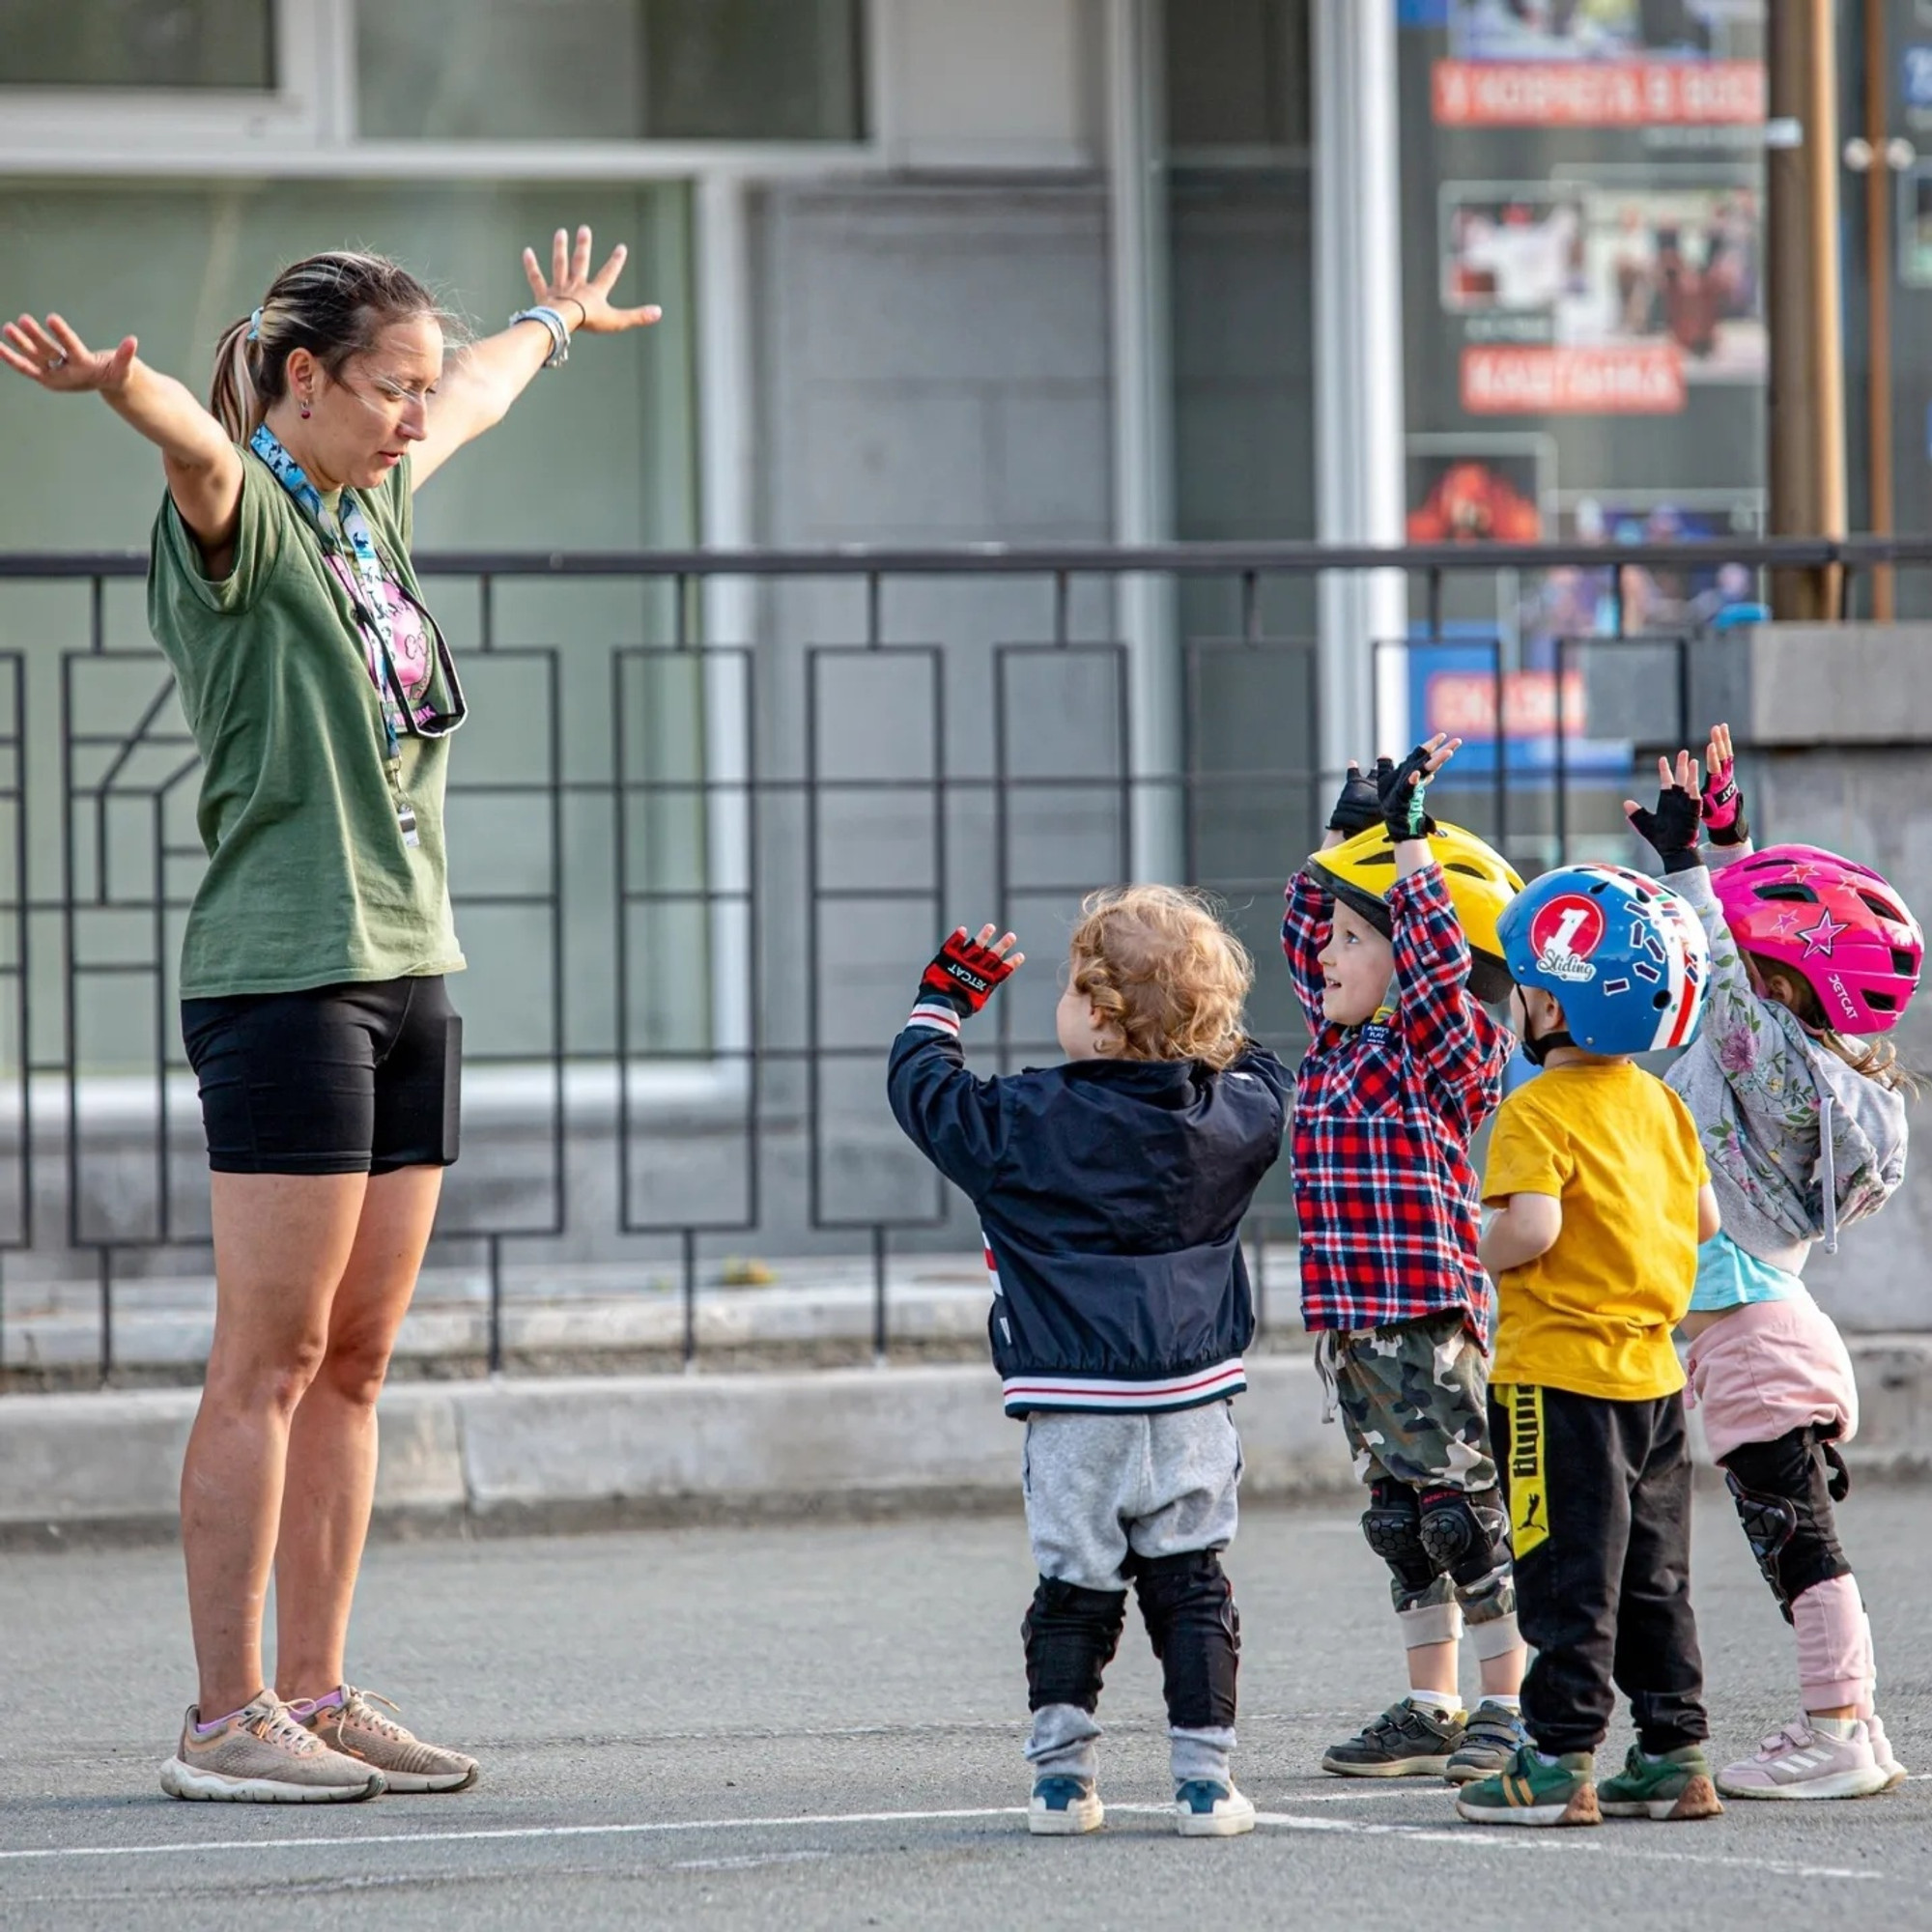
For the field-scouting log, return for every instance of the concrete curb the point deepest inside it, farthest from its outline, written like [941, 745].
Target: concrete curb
[592, 1451]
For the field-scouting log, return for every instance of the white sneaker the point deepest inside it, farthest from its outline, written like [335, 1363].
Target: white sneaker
[1065, 1807]
[1204, 1808]
[1894, 1772]
[1800, 1762]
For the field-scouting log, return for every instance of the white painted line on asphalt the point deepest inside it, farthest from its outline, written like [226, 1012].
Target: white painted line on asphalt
[514, 1831]
[1471, 1839]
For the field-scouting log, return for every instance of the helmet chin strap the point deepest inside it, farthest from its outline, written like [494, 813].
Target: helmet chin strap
[1536, 1050]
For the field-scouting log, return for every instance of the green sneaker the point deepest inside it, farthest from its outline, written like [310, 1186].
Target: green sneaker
[1406, 1741]
[1531, 1792]
[1674, 1786]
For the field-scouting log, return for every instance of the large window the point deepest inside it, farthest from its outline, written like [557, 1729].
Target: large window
[1585, 355]
[148, 44]
[611, 70]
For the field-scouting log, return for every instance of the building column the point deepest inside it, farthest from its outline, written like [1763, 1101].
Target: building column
[1358, 375]
[1143, 456]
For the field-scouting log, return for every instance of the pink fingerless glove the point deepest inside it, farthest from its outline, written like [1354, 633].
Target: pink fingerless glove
[1725, 807]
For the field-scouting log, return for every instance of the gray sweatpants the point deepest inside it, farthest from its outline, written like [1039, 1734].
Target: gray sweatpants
[1098, 1486]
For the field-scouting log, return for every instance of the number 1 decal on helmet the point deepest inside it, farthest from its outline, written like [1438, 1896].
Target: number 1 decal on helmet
[1624, 957]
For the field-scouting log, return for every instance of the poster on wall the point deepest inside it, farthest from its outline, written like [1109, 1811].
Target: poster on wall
[1609, 291]
[1596, 63]
[1480, 488]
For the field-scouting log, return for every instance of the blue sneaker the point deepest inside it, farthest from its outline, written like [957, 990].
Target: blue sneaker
[1064, 1807]
[1203, 1807]
[1490, 1739]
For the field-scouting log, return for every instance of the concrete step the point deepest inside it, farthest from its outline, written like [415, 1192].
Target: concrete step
[581, 1451]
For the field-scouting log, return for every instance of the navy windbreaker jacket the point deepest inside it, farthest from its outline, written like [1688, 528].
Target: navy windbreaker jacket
[1109, 1194]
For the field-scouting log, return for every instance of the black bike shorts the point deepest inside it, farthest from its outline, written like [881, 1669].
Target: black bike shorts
[353, 1079]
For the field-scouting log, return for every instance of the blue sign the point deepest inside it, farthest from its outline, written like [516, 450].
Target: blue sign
[1452, 688]
[1915, 75]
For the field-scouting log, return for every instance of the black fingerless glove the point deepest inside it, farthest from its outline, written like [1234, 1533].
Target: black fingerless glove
[1405, 810]
[1360, 804]
[1672, 830]
[964, 974]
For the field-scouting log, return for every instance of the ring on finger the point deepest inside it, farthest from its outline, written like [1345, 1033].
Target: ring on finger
[56, 361]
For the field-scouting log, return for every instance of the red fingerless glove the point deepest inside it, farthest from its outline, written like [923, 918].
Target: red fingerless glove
[964, 973]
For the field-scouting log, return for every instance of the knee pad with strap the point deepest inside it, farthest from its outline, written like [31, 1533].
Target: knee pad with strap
[1070, 1635]
[1188, 1606]
[1392, 1524]
[1793, 1549]
[1464, 1533]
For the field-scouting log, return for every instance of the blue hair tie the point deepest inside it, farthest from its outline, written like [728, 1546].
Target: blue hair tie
[255, 327]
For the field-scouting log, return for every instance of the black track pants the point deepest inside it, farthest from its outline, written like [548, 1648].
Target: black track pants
[1600, 1512]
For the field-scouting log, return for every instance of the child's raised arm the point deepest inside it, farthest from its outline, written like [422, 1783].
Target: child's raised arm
[1310, 909]
[951, 1117]
[1462, 1047]
[1759, 1062]
[1724, 801]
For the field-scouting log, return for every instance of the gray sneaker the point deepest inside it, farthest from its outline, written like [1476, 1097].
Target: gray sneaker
[261, 1756]
[1406, 1741]
[356, 1728]
[1491, 1738]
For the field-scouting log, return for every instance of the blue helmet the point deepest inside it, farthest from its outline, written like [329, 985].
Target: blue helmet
[1626, 956]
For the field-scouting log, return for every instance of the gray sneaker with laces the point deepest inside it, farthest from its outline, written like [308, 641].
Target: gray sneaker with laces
[1491, 1738]
[263, 1756]
[1406, 1741]
[356, 1728]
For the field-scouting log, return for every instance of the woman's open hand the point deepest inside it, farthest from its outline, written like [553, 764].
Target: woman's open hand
[51, 354]
[571, 282]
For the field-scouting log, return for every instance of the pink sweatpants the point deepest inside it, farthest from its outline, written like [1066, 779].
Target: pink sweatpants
[1834, 1650]
[1758, 1373]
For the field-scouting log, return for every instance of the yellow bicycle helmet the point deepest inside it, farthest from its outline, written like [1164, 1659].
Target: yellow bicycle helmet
[1481, 883]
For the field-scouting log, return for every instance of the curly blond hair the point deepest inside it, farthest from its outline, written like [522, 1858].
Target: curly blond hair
[1158, 963]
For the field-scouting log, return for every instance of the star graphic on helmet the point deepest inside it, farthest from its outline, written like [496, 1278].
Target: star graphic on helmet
[1818, 938]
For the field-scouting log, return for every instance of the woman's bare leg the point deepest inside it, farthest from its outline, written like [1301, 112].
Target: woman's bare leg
[281, 1243]
[331, 1455]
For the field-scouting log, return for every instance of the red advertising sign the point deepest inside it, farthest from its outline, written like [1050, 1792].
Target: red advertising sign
[1506, 379]
[1464, 704]
[1598, 94]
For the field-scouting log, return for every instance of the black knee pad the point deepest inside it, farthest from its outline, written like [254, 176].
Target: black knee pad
[1793, 1549]
[1188, 1606]
[1465, 1532]
[1392, 1523]
[1070, 1635]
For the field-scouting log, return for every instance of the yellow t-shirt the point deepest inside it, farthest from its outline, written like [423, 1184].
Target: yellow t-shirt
[1620, 1151]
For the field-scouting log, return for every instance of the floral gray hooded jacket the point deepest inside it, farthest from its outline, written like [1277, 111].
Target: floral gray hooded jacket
[1799, 1144]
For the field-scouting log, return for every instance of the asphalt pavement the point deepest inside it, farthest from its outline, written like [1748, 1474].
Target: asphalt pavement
[819, 1725]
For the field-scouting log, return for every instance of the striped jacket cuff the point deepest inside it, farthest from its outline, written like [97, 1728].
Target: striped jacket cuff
[935, 1017]
[1099, 1394]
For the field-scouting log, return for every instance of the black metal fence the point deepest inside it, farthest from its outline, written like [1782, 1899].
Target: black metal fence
[698, 876]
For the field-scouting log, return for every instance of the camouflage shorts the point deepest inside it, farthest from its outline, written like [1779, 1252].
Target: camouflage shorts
[1413, 1398]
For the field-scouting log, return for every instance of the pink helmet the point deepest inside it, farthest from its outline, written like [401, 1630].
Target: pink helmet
[1836, 925]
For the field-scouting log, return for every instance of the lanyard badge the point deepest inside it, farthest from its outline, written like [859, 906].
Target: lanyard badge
[1378, 1031]
[346, 533]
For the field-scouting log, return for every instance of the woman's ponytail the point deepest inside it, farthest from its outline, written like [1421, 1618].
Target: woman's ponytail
[233, 399]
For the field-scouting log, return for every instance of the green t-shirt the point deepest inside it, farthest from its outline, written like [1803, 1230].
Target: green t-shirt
[309, 882]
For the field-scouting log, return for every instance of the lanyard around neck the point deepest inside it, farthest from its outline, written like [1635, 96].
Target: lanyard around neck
[346, 532]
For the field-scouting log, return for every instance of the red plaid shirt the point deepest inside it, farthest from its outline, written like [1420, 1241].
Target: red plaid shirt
[1387, 1200]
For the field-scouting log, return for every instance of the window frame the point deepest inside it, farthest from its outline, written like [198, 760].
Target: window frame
[306, 127]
